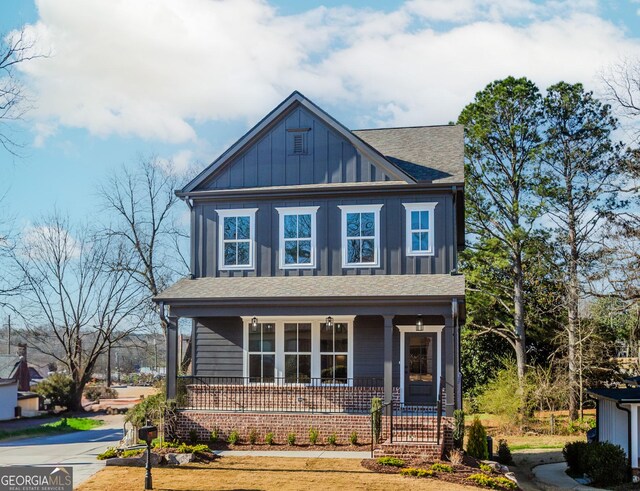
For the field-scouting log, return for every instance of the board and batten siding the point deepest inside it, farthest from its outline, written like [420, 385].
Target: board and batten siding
[613, 424]
[270, 161]
[218, 347]
[394, 259]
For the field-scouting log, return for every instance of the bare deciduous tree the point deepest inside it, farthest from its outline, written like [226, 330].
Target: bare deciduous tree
[72, 298]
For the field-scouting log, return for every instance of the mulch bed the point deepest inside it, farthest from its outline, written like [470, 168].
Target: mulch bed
[285, 446]
[461, 472]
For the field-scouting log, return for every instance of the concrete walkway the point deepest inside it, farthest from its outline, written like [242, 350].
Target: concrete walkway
[304, 454]
[78, 449]
[553, 476]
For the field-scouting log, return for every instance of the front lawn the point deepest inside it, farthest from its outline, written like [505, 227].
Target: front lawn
[266, 473]
[65, 425]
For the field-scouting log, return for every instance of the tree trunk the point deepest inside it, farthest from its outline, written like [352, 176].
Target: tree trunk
[572, 309]
[518, 322]
[76, 399]
[109, 365]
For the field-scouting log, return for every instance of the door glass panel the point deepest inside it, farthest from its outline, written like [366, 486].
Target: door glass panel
[420, 359]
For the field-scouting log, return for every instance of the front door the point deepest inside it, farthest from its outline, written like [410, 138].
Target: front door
[421, 362]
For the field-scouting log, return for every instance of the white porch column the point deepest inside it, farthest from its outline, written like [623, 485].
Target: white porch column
[634, 436]
[388, 358]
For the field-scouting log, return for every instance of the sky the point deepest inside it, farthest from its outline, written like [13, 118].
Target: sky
[182, 80]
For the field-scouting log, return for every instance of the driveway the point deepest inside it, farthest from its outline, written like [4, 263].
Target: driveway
[78, 449]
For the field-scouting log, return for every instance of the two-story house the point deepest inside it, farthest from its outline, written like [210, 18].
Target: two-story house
[324, 273]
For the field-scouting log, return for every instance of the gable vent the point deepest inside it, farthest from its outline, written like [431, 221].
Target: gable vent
[298, 141]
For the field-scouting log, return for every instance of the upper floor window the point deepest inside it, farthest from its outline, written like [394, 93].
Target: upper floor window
[297, 237]
[360, 235]
[236, 243]
[419, 225]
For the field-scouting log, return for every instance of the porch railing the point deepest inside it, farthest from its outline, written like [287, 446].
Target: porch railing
[244, 394]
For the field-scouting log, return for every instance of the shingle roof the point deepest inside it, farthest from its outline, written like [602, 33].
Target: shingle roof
[427, 153]
[434, 285]
[8, 365]
[631, 394]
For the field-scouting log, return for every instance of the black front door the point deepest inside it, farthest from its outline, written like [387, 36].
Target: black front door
[420, 371]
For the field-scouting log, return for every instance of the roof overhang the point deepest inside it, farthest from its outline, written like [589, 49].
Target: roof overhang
[622, 396]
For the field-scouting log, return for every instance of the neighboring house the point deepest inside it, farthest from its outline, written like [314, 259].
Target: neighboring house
[323, 274]
[618, 418]
[16, 367]
[8, 398]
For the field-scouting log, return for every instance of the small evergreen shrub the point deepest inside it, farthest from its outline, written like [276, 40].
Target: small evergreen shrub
[353, 438]
[575, 454]
[458, 428]
[269, 438]
[97, 392]
[440, 467]
[504, 453]
[501, 483]
[391, 461]
[606, 464]
[291, 439]
[332, 439]
[413, 472]
[193, 436]
[477, 443]
[215, 435]
[58, 388]
[234, 437]
[253, 436]
[109, 453]
[376, 418]
[313, 435]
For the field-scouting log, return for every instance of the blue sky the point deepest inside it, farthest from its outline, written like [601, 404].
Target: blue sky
[183, 80]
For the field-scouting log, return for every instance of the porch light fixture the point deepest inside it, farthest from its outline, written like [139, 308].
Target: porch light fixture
[419, 324]
[254, 324]
[328, 323]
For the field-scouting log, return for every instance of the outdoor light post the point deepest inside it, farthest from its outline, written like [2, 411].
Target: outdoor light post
[148, 433]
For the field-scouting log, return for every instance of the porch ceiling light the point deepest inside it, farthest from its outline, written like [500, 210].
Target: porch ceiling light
[419, 324]
[328, 323]
[254, 324]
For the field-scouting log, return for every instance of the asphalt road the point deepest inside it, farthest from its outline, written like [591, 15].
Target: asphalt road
[78, 449]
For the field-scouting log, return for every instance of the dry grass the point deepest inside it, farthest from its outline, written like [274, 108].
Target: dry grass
[264, 473]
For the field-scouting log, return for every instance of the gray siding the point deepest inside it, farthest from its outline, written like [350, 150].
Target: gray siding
[218, 347]
[329, 260]
[269, 161]
[368, 348]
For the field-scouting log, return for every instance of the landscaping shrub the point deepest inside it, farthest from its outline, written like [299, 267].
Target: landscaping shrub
[440, 467]
[376, 414]
[269, 438]
[575, 454]
[234, 437]
[132, 453]
[215, 435]
[253, 436]
[353, 438]
[458, 428]
[97, 392]
[109, 453]
[332, 439]
[477, 443]
[391, 461]
[492, 482]
[486, 468]
[501, 395]
[410, 471]
[313, 435]
[606, 464]
[456, 457]
[193, 436]
[291, 438]
[504, 453]
[149, 409]
[58, 388]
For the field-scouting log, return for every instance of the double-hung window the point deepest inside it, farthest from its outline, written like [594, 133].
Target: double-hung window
[297, 237]
[262, 352]
[236, 238]
[419, 226]
[334, 353]
[297, 352]
[360, 235]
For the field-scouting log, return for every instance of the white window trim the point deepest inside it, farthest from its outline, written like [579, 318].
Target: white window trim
[315, 343]
[409, 207]
[222, 214]
[426, 329]
[302, 210]
[376, 240]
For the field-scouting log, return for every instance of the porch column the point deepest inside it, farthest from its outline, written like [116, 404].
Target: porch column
[634, 436]
[172, 357]
[450, 375]
[388, 358]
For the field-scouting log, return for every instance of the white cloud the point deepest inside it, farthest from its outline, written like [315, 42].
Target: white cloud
[180, 164]
[156, 68]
